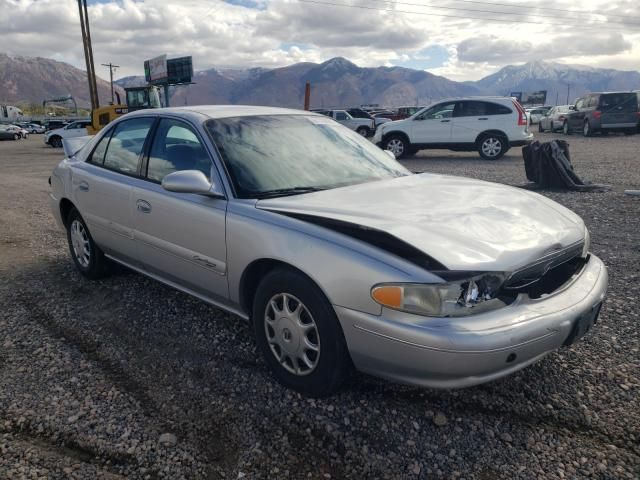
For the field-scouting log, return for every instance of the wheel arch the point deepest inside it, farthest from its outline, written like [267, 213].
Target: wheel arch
[394, 133]
[255, 272]
[65, 206]
[495, 132]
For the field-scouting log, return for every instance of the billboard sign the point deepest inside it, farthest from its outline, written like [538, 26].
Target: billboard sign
[179, 70]
[530, 98]
[156, 69]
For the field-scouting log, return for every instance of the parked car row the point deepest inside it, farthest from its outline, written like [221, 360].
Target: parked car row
[595, 113]
[12, 132]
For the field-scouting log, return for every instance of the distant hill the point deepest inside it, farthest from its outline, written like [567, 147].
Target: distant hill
[335, 83]
[34, 79]
[554, 77]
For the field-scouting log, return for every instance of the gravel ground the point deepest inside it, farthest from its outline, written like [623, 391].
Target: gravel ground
[126, 378]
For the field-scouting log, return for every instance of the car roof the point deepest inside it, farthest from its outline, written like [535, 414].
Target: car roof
[221, 111]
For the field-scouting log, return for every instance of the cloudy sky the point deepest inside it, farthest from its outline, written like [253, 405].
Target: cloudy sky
[460, 39]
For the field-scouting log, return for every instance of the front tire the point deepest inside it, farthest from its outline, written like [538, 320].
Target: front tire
[87, 256]
[540, 129]
[492, 147]
[398, 145]
[16, 136]
[299, 335]
[55, 142]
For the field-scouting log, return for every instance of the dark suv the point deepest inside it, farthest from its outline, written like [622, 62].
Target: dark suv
[603, 112]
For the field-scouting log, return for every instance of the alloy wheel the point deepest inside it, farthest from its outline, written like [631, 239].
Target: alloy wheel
[491, 147]
[80, 243]
[396, 146]
[292, 334]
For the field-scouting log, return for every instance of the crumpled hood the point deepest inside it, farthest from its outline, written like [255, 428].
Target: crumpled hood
[463, 223]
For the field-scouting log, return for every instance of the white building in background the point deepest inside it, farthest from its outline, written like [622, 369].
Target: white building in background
[10, 113]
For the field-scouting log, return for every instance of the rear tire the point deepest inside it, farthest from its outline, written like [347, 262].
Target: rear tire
[364, 131]
[492, 146]
[398, 145]
[565, 128]
[299, 335]
[16, 136]
[587, 130]
[89, 259]
[540, 129]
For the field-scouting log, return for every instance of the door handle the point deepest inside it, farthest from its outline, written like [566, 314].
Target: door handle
[84, 186]
[445, 121]
[143, 206]
[483, 118]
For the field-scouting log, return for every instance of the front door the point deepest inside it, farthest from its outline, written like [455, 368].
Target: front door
[433, 126]
[180, 237]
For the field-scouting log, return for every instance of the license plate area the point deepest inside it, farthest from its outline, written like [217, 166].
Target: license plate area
[583, 324]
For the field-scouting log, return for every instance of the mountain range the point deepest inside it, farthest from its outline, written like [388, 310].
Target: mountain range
[335, 83]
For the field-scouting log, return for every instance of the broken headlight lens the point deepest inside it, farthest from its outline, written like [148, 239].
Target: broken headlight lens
[459, 298]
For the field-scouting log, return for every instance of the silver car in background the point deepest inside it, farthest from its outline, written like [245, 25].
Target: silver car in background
[554, 119]
[337, 254]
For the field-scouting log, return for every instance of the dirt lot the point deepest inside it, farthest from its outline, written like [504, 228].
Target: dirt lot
[126, 378]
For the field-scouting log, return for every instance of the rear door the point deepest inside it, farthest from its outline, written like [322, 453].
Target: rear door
[180, 237]
[433, 126]
[473, 117]
[102, 187]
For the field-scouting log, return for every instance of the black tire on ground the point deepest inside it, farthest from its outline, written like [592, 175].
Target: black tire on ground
[398, 145]
[587, 131]
[55, 142]
[540, 129]
[552, 128]
[364, 131]
[332, 364]
[565, 128]
[492, 146]
[16, 136]
[94, 265]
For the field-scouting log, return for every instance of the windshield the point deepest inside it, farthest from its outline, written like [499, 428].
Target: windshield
[296, 152]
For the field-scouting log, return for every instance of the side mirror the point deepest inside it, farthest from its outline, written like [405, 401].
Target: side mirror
[190, 181]
[572, 107]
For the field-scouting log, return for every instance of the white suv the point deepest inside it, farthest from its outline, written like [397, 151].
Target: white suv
[75, 129]
[490, 125]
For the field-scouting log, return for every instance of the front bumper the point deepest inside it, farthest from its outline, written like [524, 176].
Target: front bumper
[460, 352]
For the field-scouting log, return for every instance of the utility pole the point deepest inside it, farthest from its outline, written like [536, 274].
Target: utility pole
[557, 96]
[88, 53]
[112, 67]
[568, 87]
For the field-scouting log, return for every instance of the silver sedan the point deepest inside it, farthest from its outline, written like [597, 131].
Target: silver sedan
[337, 254]
[553, 120]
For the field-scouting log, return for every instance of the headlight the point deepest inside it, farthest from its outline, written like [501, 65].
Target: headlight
[587, 243]
[458, 298]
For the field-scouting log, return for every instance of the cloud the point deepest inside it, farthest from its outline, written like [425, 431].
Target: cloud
[493, 49]
[271, 33]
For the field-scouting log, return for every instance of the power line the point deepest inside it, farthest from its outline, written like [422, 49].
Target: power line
[429, 5]
[461, 17]
[520, 5]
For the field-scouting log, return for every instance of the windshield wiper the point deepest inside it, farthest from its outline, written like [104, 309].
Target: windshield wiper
[283, 192]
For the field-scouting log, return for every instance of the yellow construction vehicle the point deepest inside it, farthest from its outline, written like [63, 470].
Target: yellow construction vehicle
[137, 99]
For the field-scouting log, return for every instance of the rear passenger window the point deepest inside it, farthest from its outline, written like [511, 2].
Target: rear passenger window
[495, 109]
[176, 147]
[97, 157]
[126, 145]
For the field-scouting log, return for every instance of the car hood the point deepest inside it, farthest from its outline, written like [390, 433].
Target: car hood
[464, 224]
